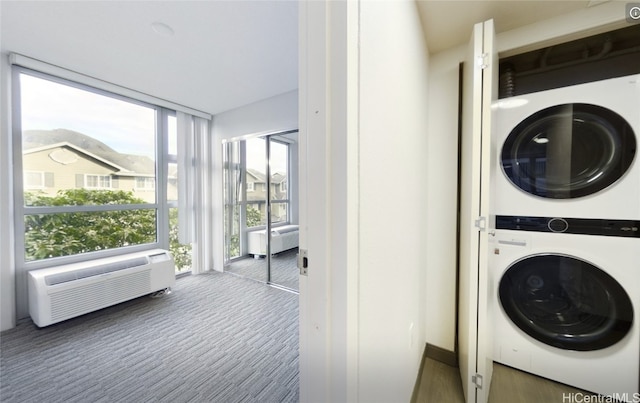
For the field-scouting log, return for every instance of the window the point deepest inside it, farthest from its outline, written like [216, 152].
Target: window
[97, 181]
[33, 180]
[102, 149]
[250, 187]
[145, 184]
[181, 252]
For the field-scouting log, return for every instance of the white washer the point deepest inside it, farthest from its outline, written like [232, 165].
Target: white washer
[569, 152]
[577, 300]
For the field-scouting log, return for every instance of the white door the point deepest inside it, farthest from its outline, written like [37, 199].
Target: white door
[479, 91]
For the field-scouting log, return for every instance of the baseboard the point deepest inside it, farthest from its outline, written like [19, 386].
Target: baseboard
[441, 354]
[416, 385]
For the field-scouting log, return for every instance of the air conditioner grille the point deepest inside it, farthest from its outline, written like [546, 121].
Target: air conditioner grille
[65, 277]
[80, 300]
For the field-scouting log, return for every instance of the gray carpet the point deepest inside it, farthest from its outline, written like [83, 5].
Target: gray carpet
[215, 338]
[284, 269]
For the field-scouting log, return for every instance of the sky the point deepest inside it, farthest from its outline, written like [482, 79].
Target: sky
[126, 127]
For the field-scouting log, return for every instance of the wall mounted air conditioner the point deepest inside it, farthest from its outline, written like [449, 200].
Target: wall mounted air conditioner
[63, 292]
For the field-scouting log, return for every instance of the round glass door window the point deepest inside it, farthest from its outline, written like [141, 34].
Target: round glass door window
[568, 151]
[565, 302]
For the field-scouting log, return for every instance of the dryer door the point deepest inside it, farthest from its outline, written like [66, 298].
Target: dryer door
[565, 302]
[568, 151]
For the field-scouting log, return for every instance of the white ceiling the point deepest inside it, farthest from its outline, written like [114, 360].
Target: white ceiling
[449, 23]
[223, 54]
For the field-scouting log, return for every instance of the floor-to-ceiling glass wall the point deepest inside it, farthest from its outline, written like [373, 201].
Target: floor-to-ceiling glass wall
[261, 208]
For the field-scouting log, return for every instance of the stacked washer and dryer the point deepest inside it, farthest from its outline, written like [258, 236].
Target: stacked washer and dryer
[565, 258]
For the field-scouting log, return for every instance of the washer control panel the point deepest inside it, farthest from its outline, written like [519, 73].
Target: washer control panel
[584, 226]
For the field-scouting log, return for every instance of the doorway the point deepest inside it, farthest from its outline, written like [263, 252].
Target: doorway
[261, 232]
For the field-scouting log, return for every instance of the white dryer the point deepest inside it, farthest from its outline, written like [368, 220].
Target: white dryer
[566, 305]
[569, 152]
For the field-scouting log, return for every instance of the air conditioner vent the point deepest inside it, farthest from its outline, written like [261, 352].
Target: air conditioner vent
[66, 276]
[76, 301]
[63, 292]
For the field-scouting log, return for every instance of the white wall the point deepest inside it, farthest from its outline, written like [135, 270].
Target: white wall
[393, 199]
[7, 267]
[442, 173]
[442, 182]
[275, 114]
[272, 115]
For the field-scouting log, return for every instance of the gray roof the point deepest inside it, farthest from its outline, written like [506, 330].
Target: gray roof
[139, 164]
[278, 177]
[261, 177]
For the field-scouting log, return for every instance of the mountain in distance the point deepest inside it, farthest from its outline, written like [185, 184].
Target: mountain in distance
[40, 138]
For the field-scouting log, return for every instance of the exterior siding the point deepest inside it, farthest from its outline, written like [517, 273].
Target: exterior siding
[64, 175]
[70, 173]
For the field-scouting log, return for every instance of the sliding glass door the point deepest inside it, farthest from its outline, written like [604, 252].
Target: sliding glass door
[283, 222]
[261, 233]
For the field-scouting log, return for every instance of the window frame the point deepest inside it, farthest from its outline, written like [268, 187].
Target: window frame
[170, 159]
[160, 206]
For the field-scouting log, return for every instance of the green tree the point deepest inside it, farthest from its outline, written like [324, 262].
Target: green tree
[63, 234]
[254, 217]
[181, 252]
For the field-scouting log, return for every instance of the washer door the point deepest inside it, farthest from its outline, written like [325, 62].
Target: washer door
[565, 302]
[568, 151]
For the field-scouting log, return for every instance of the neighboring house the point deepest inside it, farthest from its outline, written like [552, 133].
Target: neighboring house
[61, 159]
[256, 185]
[257, 194]
[279, 186]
